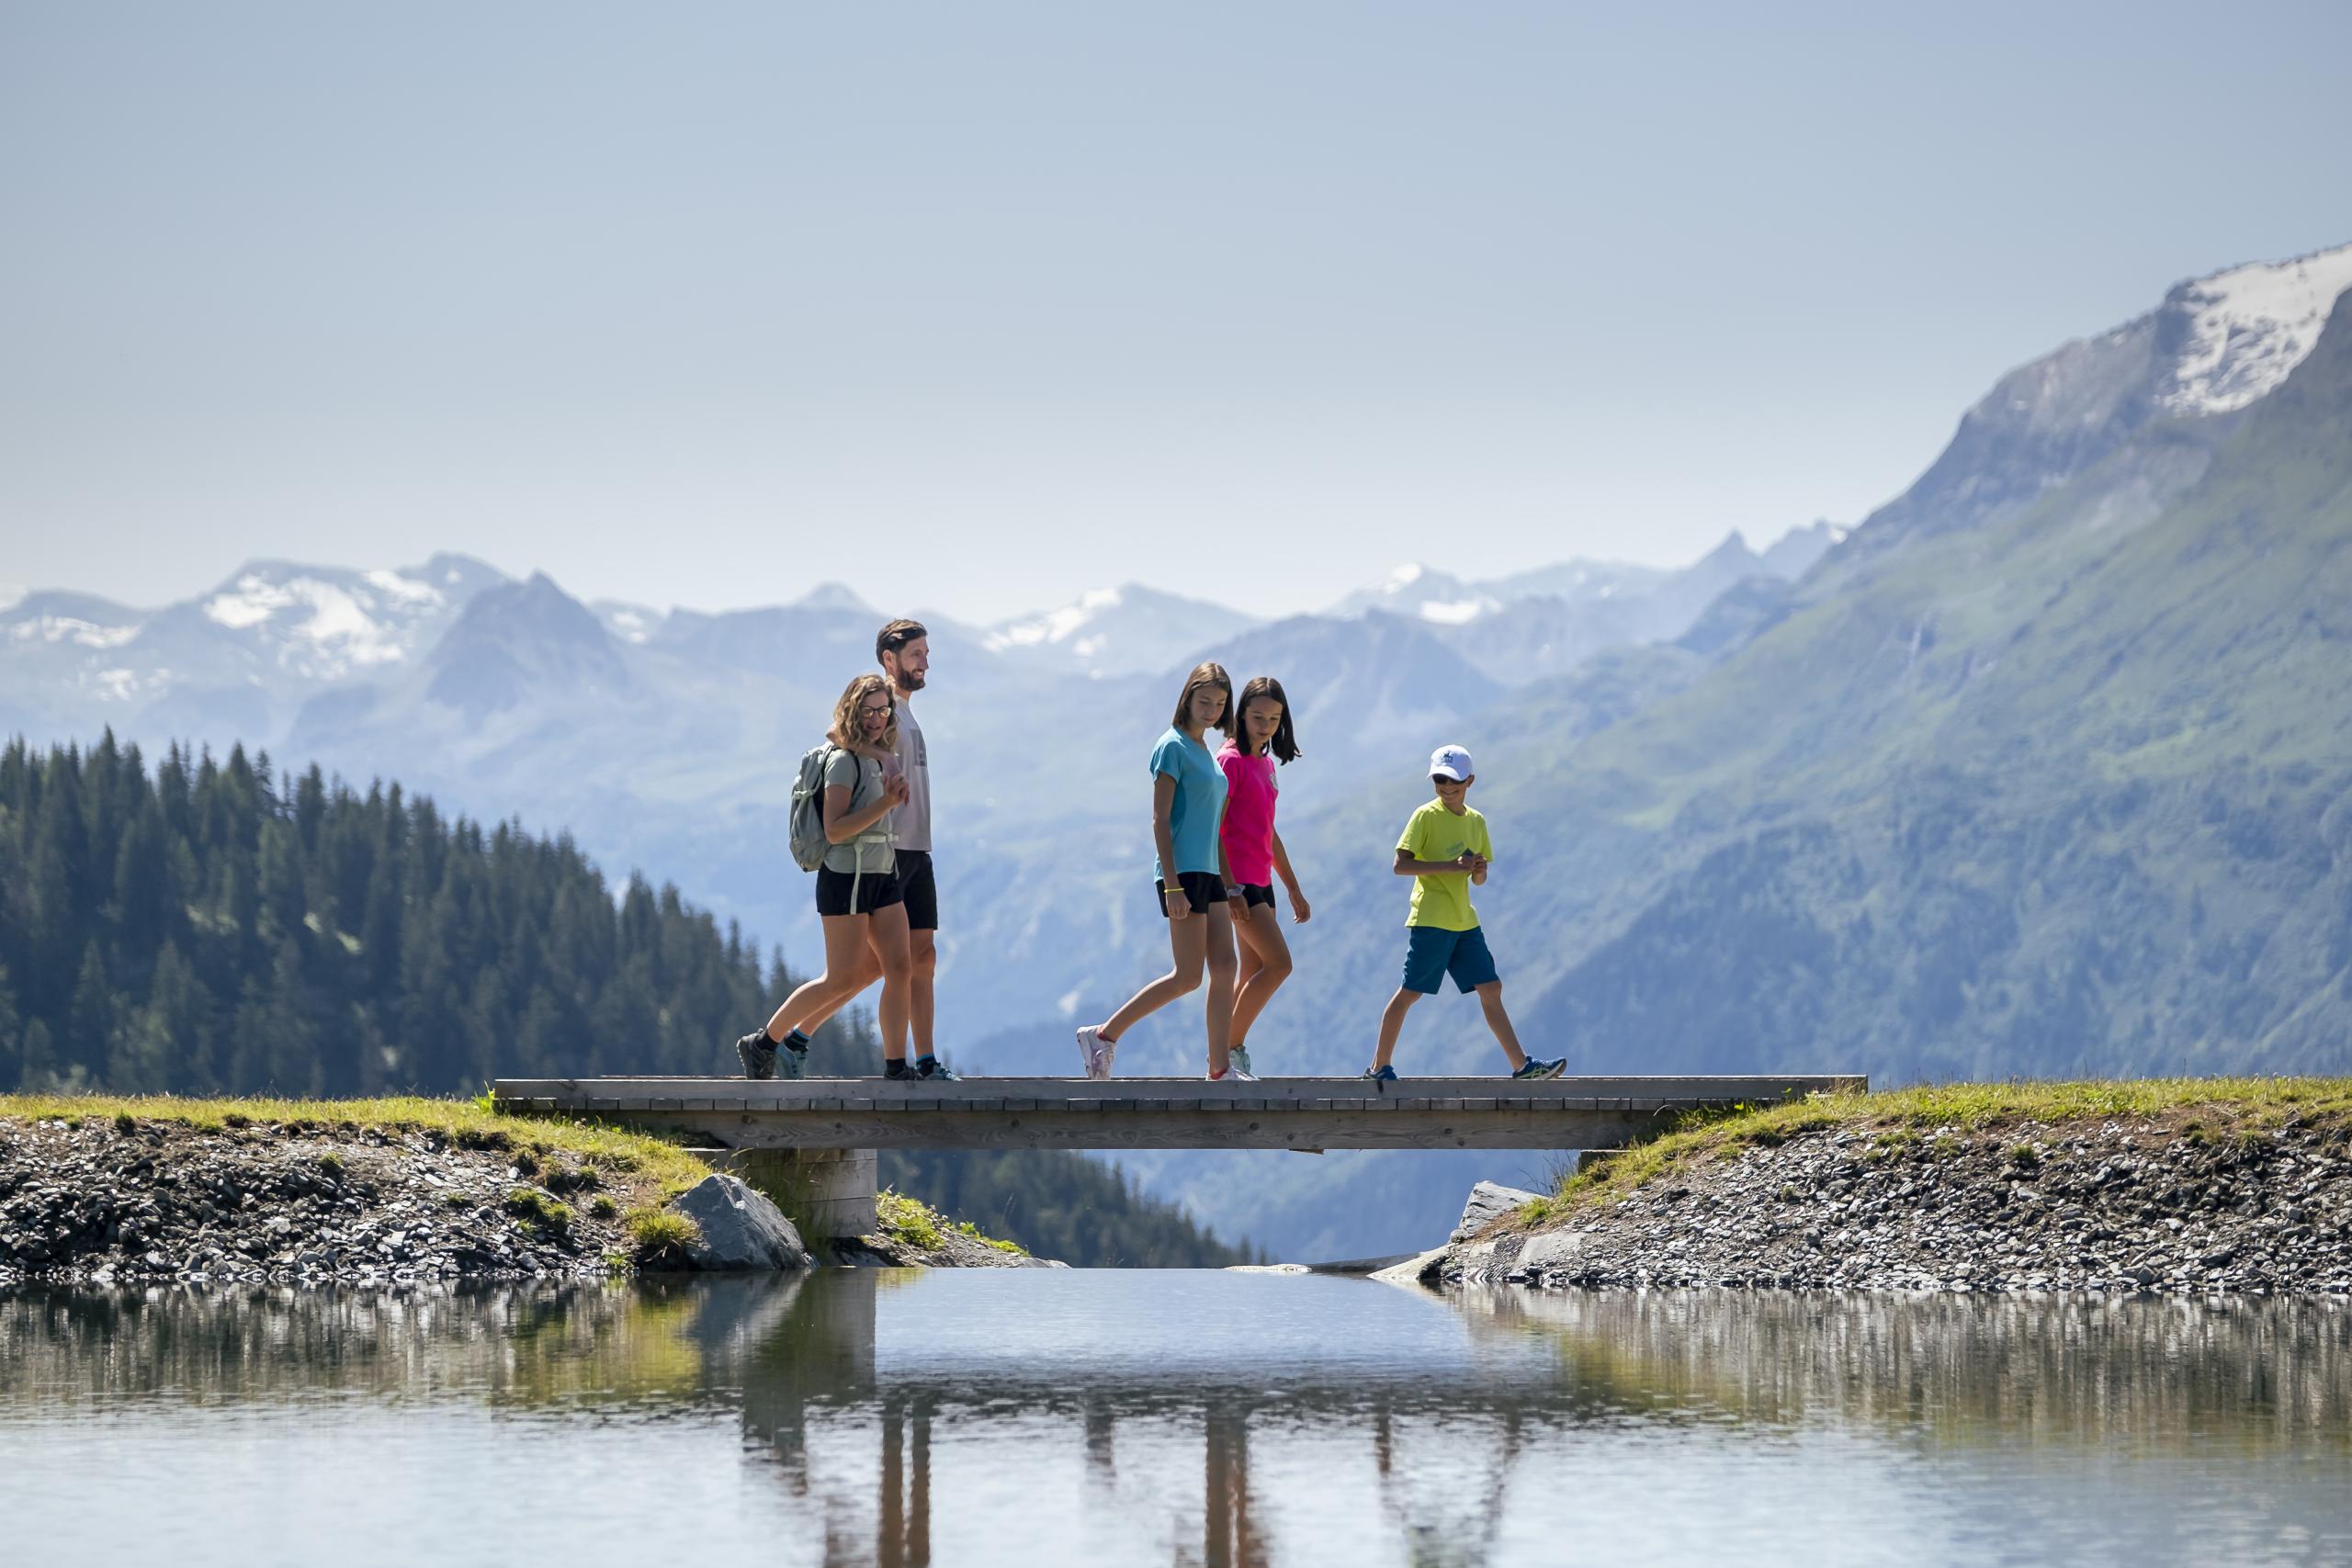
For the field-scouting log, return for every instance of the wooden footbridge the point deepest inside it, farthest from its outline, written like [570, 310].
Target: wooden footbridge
[827, 1128]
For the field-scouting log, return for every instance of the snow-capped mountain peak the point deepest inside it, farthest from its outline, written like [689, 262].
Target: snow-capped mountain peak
[1129, 629]
[1416, 592]
[329, 623]
[2249, 326]
[1052, 627]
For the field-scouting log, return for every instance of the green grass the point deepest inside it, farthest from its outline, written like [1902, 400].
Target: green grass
[974, 1232]
[660, 1166]
[536, 1211]
[654, 1234]
[915, 1223]
[903, 1219]
[2249, 1109]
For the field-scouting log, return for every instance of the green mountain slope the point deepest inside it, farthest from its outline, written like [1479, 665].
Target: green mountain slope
[2069, 791]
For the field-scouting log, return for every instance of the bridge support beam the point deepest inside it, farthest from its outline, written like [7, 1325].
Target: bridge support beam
[827, 1192]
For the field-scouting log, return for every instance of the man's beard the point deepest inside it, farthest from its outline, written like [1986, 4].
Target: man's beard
[910, 683]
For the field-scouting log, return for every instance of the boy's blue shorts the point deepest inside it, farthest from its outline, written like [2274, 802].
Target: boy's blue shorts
[1432, 955]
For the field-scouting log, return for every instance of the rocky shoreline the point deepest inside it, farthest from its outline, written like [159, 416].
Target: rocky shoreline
[119, 1199]
[2183, 1202]
[103, 1200]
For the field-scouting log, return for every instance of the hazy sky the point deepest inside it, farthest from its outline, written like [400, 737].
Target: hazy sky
[977, 305]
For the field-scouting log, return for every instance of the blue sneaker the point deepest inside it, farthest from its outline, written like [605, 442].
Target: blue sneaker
[1381, 1075]
[937, 1071]
[1537, 1067]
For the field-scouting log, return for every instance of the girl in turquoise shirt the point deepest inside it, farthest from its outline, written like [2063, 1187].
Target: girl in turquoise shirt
[1187, 812]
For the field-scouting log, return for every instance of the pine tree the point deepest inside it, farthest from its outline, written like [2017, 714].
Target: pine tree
[12, 1044]
[89, 1036]
[37, 1060]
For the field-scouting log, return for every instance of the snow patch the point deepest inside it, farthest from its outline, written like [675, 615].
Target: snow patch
[630, 626]
[89, 633]
[1454, 611]
[2250, 326]
[336, 632]
[11, 595]
[1403, 577]
[253, 601]
[404, 590]
[1056, 625]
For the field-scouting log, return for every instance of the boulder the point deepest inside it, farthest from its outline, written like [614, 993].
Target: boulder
[740, 1228]
[1549, 1251]
[1488, 1203]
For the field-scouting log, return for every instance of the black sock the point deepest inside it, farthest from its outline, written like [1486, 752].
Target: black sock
[796, 1041]
[926, 1061]
[895, 1068]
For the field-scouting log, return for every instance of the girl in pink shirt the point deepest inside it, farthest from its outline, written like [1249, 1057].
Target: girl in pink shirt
[1253, 850]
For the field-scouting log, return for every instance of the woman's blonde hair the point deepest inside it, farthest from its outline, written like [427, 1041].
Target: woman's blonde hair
[847, 733]
[1211, 673]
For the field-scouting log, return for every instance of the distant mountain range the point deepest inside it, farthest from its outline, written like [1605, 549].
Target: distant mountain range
[2045, 766]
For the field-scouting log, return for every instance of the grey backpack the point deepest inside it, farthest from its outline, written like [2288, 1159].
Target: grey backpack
[808, 842]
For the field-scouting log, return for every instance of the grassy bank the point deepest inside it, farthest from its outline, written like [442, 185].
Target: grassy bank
[2196, 1110]
[662, 1169]
[628, 1176]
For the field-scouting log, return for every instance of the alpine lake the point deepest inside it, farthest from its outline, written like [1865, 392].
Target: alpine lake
[1130, 1416]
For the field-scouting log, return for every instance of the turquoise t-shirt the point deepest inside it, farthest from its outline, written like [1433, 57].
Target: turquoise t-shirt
[1200, 800]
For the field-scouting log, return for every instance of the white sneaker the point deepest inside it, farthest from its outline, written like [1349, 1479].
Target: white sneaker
[1234, 1073]
[1094, 1052]
[1240, 1057]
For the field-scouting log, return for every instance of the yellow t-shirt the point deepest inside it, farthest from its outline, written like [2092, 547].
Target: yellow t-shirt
[1435, 833]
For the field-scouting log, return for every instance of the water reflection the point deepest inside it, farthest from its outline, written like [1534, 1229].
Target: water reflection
[1208, 1419]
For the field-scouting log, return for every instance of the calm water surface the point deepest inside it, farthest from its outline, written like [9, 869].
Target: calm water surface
[903, 1417]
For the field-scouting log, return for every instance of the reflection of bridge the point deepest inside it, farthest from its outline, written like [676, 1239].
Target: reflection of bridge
[802, 1351]
[865, 1114]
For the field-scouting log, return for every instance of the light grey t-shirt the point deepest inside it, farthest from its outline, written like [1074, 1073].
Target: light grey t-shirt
[912, 820]
[862, 776]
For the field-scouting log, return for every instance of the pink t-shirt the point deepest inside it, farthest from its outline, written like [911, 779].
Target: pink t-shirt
[1249, 832]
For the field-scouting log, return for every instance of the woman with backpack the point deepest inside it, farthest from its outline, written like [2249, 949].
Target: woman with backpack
[859, 902]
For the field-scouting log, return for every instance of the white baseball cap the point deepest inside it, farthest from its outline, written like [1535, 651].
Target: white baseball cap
[1450, 763]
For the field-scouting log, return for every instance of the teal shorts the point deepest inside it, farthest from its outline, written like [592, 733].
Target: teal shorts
[1431, 955]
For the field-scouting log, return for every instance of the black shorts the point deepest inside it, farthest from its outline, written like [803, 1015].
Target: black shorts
[1255, 897]
[919, 891]
[875, 890]
[1202, 889]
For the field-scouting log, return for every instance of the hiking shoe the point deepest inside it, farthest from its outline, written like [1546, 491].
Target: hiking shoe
[757, 1052]
[1234, 1073]
[1381, 1075]
[1240, 1057]
[792, 1062]
[1537, 1067]
[1094, 1052]
[937, 1071]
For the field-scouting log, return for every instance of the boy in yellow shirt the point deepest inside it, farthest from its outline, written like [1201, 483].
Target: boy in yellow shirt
[1445, 850]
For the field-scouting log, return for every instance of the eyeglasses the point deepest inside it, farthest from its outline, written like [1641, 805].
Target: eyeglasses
[873, 713]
